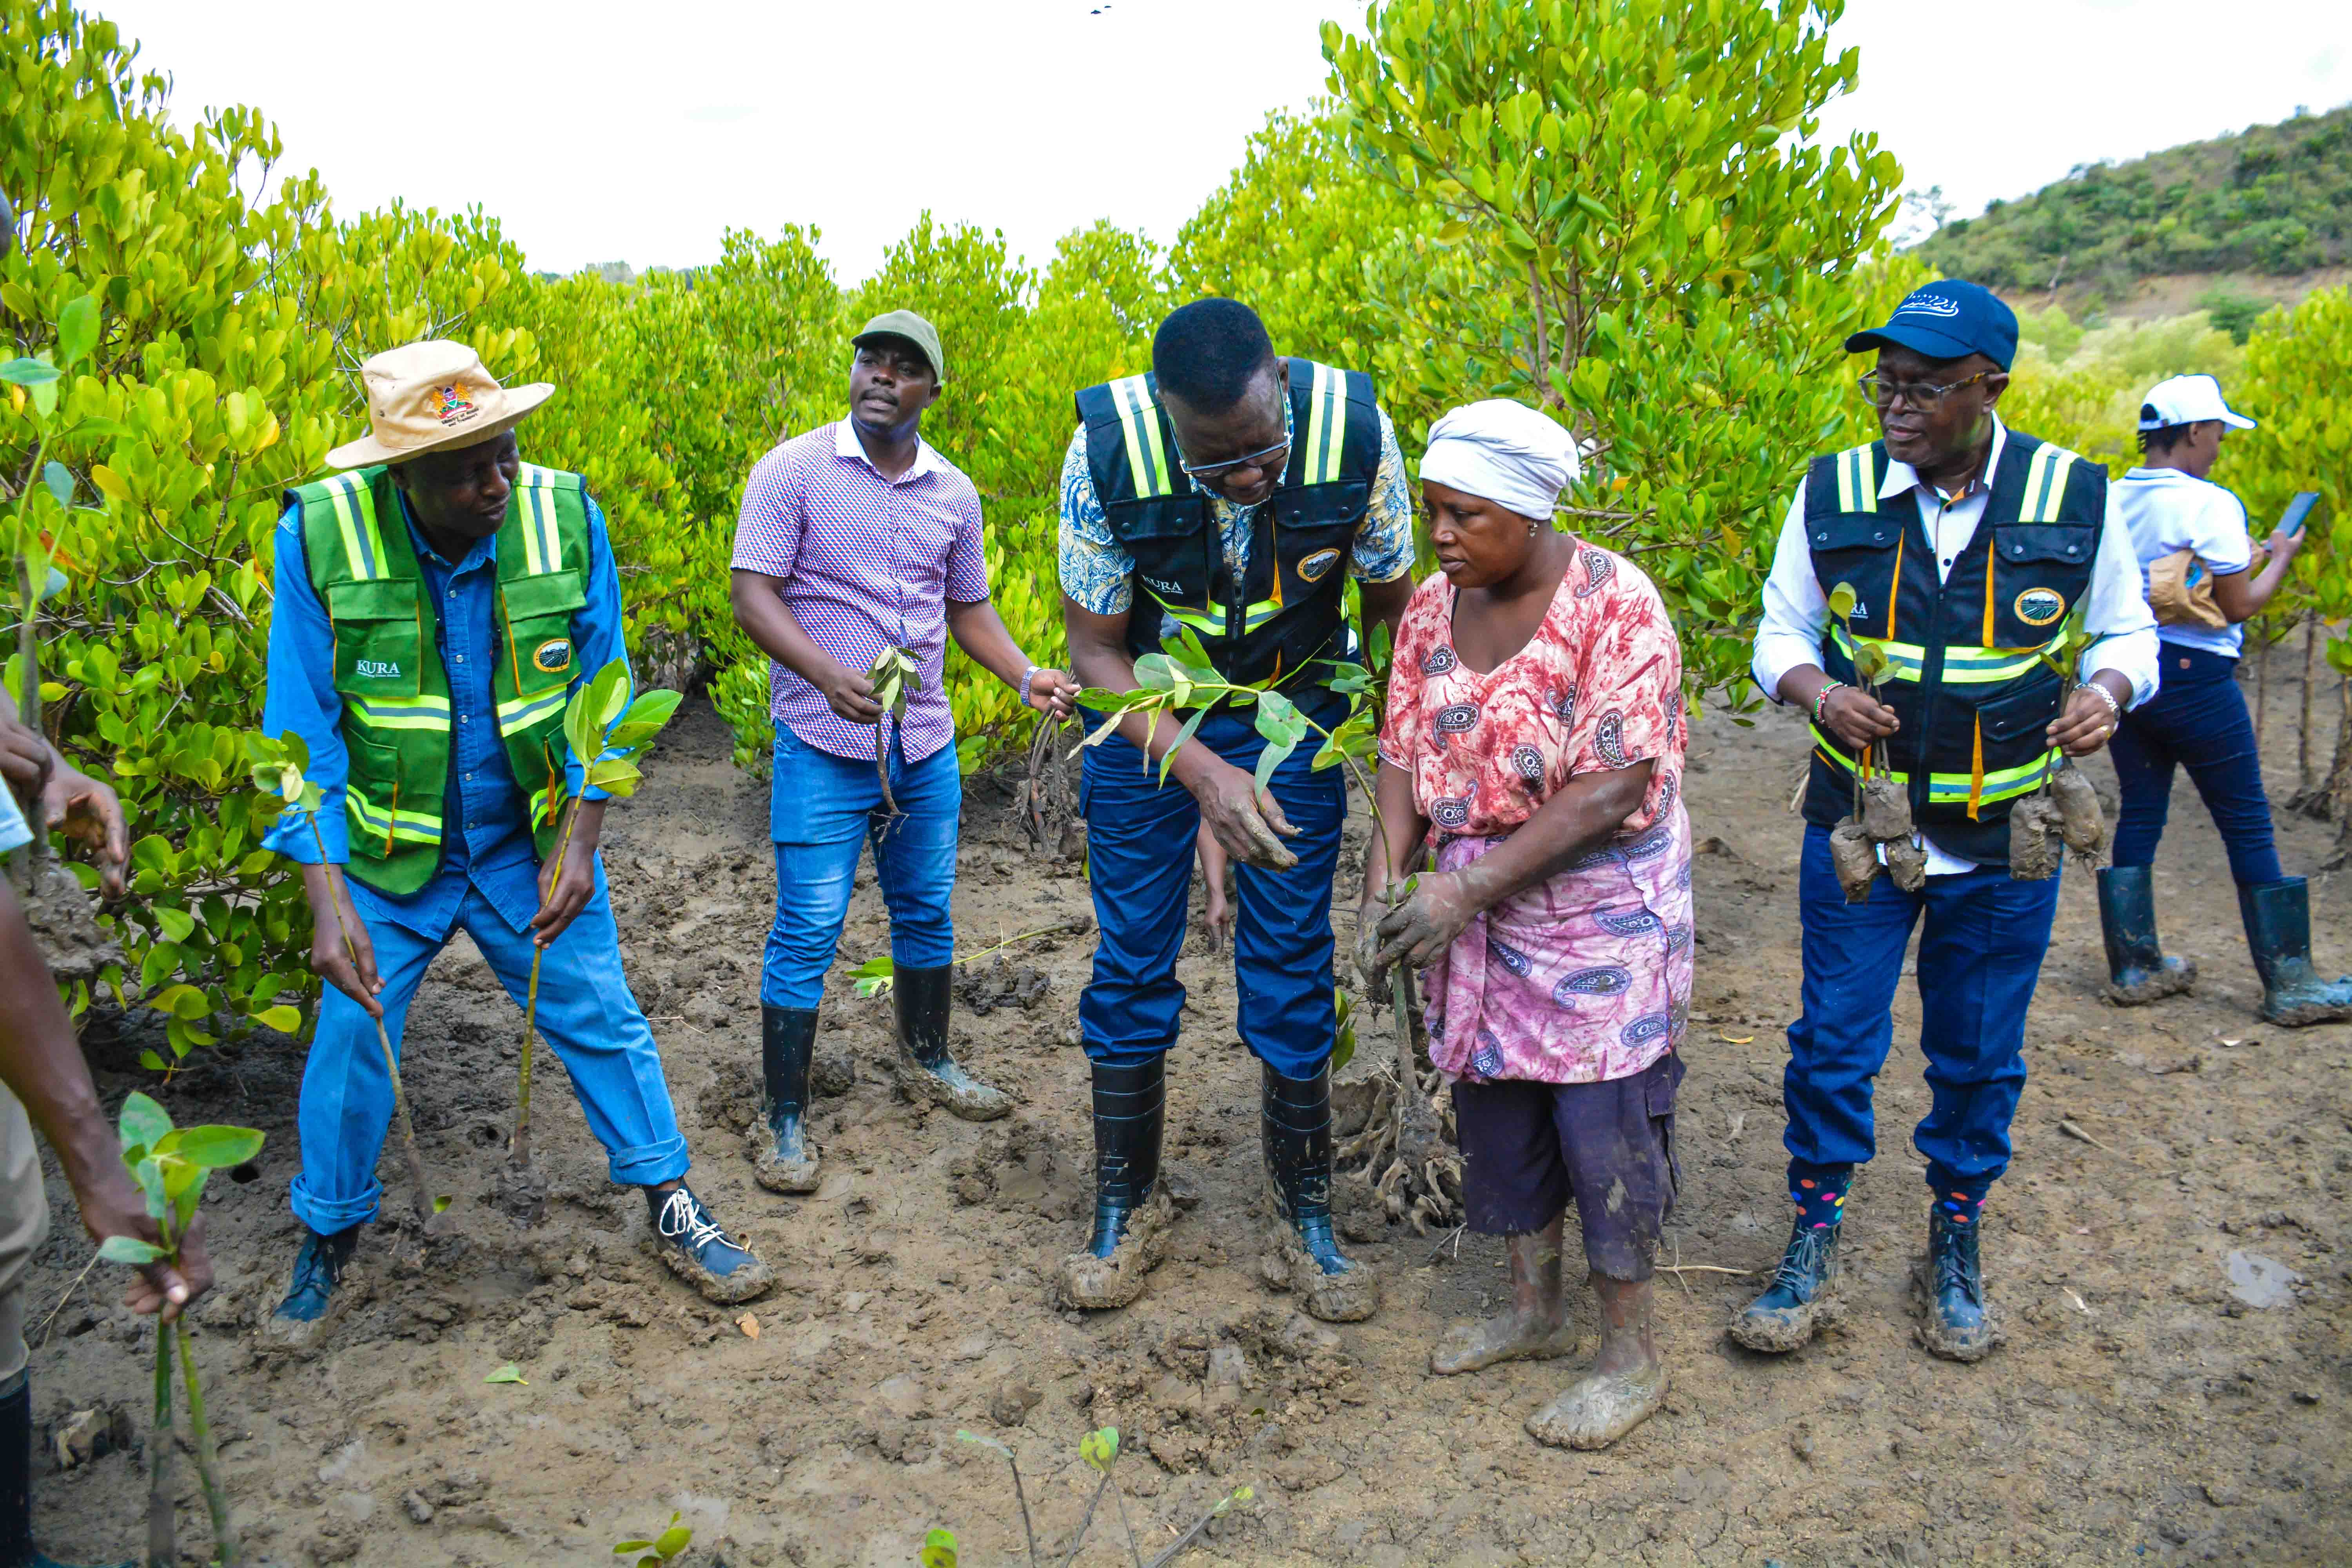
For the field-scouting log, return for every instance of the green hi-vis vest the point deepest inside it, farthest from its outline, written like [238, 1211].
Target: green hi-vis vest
[388, 666]
[1291, 610]
[1965, 671]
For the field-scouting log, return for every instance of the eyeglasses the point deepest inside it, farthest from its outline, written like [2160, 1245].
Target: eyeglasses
[1272, 457]
[1921, 395]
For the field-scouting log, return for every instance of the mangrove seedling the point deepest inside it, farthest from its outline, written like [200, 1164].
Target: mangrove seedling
[280, 767]
[894, 675]
[170, 1165]
[669, 1545]
[610, 734]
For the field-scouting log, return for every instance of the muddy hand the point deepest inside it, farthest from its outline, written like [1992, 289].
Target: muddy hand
[1245, 821]
[1424, 923]
[91, 813]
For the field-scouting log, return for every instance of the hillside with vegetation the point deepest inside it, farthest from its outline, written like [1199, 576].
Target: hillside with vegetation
[2270, 202]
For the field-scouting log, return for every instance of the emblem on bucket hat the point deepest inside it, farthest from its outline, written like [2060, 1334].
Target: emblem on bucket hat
[425, 396]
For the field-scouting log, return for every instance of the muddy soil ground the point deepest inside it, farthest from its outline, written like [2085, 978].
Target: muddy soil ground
[2139, 1411]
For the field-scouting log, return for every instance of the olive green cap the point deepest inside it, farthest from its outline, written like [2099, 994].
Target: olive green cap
[908, 327]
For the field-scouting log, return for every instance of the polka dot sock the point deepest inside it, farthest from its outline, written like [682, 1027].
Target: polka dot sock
[1958, 1206]
[1819, 1192]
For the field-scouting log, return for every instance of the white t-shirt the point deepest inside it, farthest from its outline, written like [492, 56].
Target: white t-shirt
[2166, 511]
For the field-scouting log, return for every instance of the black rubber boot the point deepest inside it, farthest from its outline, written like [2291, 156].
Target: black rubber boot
[925, 1071]
[1799, 1300]
[1131, 1113]
[16, 1479]
[782, 1159]
[2138, 969]
[2278, 933]
[1956, 1319]
[309, 1307]
[1295, 1127]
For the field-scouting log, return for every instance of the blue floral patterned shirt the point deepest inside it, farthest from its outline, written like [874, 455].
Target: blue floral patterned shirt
[1098, 573]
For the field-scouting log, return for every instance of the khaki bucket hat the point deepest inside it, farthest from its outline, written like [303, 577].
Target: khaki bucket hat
[423, 397]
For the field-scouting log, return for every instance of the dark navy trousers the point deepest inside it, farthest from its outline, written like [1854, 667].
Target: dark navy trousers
[1979, 956]
[1140, 838]
[2198, 721]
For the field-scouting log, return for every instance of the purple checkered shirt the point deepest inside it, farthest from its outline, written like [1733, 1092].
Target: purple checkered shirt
[865, 563]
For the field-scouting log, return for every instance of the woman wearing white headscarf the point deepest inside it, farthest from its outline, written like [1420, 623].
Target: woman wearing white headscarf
[1534, 747]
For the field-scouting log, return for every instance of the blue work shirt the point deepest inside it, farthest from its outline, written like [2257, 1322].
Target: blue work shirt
[486, 837]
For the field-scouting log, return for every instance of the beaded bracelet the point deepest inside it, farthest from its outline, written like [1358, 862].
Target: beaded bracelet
[1820, 699]
[2115, 708]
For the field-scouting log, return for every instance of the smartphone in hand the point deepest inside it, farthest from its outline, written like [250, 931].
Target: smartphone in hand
[2298, 511]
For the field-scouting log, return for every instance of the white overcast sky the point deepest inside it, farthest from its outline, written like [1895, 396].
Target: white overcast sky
[598, 132]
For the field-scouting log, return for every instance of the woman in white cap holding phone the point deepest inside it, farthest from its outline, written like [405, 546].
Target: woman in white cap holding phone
[2205, 576]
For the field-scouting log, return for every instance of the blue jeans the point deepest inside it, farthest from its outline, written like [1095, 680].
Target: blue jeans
[2197, 720]
[822, 810]
[1139, 839]
[1979, 959]
[586, 1014]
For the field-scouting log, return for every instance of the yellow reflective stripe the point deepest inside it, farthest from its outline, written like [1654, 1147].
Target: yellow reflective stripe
[2046, 484]
[542, 545]
[1857, 480]
[400, 712]
[1204, 620]
[1145, 458]
[1962, 666]
[355, 518]
[522, 712]
[1904, 660]
[415, 825]
[1953, 788]
[1322, 466]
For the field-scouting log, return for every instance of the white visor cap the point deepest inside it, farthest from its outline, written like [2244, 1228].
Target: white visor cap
[2188, 400]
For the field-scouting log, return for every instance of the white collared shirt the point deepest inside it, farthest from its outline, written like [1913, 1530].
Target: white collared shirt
[2116, 612]
[845, 444]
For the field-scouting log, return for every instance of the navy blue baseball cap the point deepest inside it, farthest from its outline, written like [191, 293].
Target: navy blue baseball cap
[1947, 320]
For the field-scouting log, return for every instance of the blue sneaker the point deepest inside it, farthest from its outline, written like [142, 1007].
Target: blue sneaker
[1798, 1300]
[303, 1318]
[1956, 1321]
[698, 1251]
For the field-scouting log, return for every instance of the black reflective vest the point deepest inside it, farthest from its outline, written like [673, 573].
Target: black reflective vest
[1966, 674]
[1289, 612]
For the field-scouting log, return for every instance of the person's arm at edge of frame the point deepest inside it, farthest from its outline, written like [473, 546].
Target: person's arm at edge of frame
[86, 808]
[2122, 659]
[41, 1063]
[300, 695]
[2243, 595]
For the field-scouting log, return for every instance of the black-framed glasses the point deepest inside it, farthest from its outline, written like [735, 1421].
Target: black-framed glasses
[1272, 457]
[1922, 395]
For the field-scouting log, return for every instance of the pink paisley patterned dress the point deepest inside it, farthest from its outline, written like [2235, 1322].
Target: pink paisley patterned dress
[1586, 977]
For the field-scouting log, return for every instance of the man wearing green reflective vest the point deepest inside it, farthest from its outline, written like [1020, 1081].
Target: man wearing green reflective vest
[436, 604]
[1970, 550]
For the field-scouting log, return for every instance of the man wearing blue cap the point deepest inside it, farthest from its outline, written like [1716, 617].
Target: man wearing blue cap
[1970, 550]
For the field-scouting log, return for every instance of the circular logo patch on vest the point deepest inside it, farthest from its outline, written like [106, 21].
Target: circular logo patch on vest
[1316, 565]
[552, 656]
[2040, 606]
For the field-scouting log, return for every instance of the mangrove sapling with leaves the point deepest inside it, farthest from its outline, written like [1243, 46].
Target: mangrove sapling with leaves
[609, 734]
[170, 1165]
[894, 675]
[667, 1547]
[280, 767]
[2064, 812]
[1882, 806]
[1181, 679]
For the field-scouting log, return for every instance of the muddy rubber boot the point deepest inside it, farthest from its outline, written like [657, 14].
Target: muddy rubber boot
[1956, 1321]
[302, 1318]
[782, 1159]
[697, 1251]
[1295, 1127]
[924, 1071]
[1133, 1214]
[1799, 1300]
[2278, 932]
[16, 1479]
[2138, 969]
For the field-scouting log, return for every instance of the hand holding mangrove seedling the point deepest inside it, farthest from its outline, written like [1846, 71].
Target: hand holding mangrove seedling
[609, 734]
[278, 767]
[894, 675]
[170, 1166]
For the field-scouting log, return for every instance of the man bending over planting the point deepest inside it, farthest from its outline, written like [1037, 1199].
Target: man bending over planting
[858, 537]
[438, 602]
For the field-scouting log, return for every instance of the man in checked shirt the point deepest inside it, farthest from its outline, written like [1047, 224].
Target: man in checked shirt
[855, 537]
